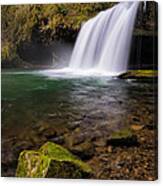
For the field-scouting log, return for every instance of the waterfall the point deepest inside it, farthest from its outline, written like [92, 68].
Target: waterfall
[103, 43]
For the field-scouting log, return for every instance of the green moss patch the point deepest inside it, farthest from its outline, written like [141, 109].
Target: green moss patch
[51, 160]
[123, 137]
[124, 133]
[139, 74]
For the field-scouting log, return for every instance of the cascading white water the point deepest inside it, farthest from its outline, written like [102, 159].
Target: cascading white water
[103, 44]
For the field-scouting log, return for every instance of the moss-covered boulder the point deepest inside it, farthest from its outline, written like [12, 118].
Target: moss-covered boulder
[131, 74]
[123, 137]
[123, 133]
[52, 161]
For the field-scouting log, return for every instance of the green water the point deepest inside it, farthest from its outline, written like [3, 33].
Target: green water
[28, 98]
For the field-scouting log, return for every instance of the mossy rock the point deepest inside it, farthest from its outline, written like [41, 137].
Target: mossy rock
[51, 161]
[123, 133]
[139, 74]
[123, 137]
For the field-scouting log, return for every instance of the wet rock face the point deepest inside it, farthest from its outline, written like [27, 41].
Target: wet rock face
[52, 161]
[141, 56]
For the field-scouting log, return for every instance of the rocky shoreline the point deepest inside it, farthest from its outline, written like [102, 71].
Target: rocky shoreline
[126, 154]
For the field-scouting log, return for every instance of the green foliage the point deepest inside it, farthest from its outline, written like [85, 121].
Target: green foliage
[43, 23]
[6, 50]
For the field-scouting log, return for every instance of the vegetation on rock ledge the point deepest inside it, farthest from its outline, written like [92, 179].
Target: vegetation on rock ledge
[139, 74]
[43, 23]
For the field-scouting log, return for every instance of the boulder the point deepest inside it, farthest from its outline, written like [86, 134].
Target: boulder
[132, 74]
[123, 133]
[51, 161]
[123, 137]
[84, 150]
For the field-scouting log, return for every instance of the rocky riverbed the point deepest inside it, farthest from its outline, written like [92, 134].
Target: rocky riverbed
[132, 156]
[113, 129]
